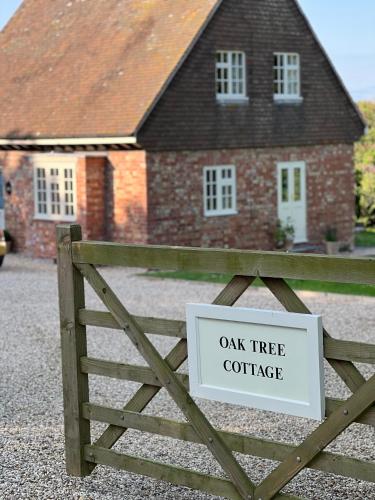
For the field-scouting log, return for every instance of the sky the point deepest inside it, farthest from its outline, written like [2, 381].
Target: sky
[346, 29]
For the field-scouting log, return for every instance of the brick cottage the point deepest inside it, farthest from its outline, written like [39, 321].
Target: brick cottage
[195, 122]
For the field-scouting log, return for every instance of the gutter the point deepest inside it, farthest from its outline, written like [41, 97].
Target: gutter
[74, 141]
[71, 144]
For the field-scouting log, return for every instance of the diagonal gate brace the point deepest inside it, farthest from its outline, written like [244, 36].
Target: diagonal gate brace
[167, 377]
[292, 303]
[319, 439]
[228, 297]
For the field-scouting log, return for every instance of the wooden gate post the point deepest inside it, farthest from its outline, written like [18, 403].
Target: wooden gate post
[73, 347]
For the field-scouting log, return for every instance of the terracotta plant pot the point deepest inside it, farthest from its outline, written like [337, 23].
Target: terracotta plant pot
[289, 244]
[332, 247]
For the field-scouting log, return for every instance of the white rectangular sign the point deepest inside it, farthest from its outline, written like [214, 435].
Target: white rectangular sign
[262, 359]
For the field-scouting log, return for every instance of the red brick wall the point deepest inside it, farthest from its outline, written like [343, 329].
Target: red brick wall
[126, 197]
[90, 184]
[158, 198]
[175, 193]
[19, 206]
[34, 237]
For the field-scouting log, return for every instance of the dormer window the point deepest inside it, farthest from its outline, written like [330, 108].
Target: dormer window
[287, 84]
[230, 75]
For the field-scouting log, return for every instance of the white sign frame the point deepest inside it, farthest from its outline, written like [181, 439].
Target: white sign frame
[314, 408]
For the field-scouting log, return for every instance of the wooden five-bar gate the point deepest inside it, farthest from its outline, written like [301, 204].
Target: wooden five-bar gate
[78, 259]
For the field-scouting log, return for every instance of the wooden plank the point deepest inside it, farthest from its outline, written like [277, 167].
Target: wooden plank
[367, 418]
[292, 303]
[171, 383]
[176, 357]
[121, 371]
[158, 470]
[262, 448]
[356, 352]
[171, 474]
[345, 350]
[73, 346]
[142, 397]
[144, 375]
[240, 262]
[154, 326]
[336, 423]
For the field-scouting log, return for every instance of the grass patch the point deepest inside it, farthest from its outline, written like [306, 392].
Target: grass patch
[365, 238]
[313, 286]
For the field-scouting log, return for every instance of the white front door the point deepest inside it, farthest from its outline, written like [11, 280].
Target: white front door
[292, 197]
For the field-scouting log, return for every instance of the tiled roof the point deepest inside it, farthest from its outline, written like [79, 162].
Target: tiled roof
[89, 68]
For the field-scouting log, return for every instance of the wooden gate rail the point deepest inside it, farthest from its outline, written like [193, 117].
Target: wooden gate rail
[247, 445]
[344, 350]
[144, 375]
[77, 260]
[235, 262]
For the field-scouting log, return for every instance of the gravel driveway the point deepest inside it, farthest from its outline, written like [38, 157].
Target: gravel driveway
[31, 426]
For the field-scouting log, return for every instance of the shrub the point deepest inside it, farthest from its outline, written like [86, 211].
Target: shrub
[7, 235]
[367, 196]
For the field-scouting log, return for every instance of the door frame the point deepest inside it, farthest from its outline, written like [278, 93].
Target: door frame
[291, 165]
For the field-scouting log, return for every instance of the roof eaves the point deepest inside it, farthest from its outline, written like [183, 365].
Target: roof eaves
[69, 144]
[210, 16]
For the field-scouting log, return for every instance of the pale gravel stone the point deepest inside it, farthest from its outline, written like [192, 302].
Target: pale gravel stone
[31, 425]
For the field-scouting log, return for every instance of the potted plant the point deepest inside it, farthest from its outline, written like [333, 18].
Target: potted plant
[284, 235]
[331, 241]
[9, 240]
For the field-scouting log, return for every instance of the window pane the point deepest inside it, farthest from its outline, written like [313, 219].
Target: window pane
[219, 193]
[297, 184]
[41, 194]
[286, 75]
[285, 185]
[230, 74]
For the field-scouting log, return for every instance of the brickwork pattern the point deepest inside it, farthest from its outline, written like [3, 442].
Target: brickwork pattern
[126, 197]
[34, 237]
[134, 197]
[176, 196]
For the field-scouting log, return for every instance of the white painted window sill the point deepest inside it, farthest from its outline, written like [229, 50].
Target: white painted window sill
[221, 214]
[232, 100]
[62, 220]
[288, 100]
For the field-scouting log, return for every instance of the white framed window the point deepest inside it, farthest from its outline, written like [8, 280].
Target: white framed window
[287, 79]
[230, 75]
[220, 196]
[55, 188]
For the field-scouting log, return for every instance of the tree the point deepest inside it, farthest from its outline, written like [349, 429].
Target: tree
[365, 167]
[365, 149]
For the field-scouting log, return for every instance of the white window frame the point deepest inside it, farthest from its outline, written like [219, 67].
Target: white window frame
[286, 67]
[59, 164]
[233, 78]
[220, 182]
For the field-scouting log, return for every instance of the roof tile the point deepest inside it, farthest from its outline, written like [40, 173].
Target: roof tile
[88, 68]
